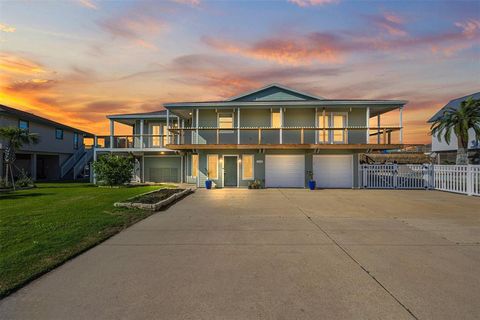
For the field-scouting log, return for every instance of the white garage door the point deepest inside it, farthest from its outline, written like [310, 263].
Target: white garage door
[285, 171]
[333, 171]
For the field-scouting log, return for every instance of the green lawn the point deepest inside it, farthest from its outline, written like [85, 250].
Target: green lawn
[43, 227]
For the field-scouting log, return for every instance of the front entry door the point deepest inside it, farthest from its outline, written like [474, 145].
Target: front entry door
[230, 171]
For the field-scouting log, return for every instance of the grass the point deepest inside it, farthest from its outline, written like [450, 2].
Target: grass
[43, 227]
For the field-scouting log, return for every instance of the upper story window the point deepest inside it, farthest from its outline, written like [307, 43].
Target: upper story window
[22, 124]
[59, 134]
[275, 120]
[225, 120]
[332, 120]
[75, 140]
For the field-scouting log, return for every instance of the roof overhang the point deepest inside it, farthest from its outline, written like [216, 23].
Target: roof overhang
[320, 103]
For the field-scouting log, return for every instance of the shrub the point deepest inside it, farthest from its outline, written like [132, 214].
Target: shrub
[113, 170]
[24, 180]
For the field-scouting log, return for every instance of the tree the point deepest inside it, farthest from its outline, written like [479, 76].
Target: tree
[114, 170]
[460, 121]
[15, 138]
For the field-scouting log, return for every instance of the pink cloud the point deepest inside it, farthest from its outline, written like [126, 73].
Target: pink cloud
[391, 23]
[5, 28]
[308, 3]
[88, 4]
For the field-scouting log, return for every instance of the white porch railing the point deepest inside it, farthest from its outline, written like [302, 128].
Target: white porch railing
[452, 178]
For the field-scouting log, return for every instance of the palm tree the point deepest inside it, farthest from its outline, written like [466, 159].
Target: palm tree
[460, 121]
[15, 138]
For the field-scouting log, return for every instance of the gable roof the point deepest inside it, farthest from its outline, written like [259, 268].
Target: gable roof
[455, 103]
[23, 115]
[274, 92]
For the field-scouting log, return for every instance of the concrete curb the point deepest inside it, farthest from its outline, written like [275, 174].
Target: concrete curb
[153, 206]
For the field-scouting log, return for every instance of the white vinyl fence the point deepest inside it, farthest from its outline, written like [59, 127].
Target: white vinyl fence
[452, 178]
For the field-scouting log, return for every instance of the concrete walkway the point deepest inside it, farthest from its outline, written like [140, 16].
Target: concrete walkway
[276, 254]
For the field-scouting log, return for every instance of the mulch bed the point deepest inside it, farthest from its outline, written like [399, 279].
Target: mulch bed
[156, 196]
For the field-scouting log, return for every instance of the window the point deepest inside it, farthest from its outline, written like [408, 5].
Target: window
[247, 166]
[212, 166]
[194, 165]
[225, 120]
[22, 124]
[275, 121]
[332, 120]
[339, 121]
[155, 135]
[75, 140]
[323, 135]
[59, 134]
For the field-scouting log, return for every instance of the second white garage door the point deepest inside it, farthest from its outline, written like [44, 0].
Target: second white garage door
[333, 171]
[285, 171]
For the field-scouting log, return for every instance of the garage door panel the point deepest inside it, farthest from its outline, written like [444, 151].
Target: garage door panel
[333, 171]
[285, 171]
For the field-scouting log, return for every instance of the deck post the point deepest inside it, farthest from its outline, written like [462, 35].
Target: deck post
[141, 133]
[238, 125]
[367, 124]
[112, 132]
[197, 114]
[301, 135]
[378, 129]
[324, 132]
[316, 125]
[281, 126]
[182, 133]
[259, 135]
[168, 127]
[401, 124]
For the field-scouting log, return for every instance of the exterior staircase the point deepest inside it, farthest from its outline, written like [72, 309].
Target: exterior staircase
[73, 167]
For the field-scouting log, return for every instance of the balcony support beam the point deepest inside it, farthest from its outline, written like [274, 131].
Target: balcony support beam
[367, 125]
[141, 133]
[168, 126]
[197, 114]
[281, 126]
[378, 129]
[112, 133]
[401, 125]
[238, 125]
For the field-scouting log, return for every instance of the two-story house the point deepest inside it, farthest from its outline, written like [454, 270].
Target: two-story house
[59, 154]
[276, 135]
[446, 152]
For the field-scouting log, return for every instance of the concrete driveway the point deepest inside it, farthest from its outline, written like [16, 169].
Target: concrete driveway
[276, 254]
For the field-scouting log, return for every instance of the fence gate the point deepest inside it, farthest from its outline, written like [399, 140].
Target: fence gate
[394, 176]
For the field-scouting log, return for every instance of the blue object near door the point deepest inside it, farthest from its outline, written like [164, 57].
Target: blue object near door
[208, 184]
[312, 184]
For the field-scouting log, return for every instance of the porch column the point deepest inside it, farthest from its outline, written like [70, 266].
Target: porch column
[93, 176]
[181, 168]
[168, 126]
[281, 125]
[33, 168]
[401, 124]
[316, 126]
[197, 114]
[238, 125]
[178, 131]
[182, 134]
[378, 129]
[368, 124]
[112, 132]
[143, 168]
[141, 134]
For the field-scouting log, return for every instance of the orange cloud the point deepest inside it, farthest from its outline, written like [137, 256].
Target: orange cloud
[5, 28]
[308, 3]
[319, 47]
[391, 23]
[16, 64]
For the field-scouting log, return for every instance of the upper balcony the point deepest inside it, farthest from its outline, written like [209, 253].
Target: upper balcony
[274, 117]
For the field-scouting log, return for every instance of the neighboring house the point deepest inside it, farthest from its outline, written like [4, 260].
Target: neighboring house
[60, 153]
[447, 152]
[274, 134]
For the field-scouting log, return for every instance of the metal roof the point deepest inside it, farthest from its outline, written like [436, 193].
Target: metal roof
[455, 103]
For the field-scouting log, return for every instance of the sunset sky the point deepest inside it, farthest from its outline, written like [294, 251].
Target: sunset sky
[77, 61]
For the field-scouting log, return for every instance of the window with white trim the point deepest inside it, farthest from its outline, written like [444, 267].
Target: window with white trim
[247, 166]
[225, 120]
[212, 166]
[275, 119]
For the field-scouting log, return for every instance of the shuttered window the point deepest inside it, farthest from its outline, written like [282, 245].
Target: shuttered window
[212, 166]
[247, 167]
